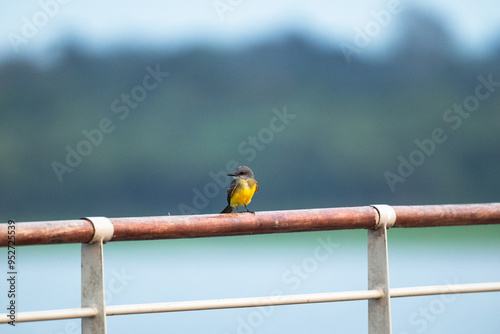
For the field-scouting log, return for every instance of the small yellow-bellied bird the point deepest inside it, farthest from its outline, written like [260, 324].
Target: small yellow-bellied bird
[241, 189]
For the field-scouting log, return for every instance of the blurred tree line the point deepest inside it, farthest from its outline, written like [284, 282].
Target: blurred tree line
[135, 132]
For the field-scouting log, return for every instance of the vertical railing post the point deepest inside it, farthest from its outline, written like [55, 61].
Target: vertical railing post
[379, 310]
[93, 275]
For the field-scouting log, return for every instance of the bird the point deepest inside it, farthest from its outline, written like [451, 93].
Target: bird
[241, 189]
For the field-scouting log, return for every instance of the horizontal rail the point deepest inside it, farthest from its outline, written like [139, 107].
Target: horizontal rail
[195, 226]
[242, 302]
[444, 289]
[71, 313]
[199, 305]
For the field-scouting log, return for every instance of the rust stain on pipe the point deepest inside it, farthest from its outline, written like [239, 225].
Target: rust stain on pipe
[447, 215]
[197, 226]
[49, 232]
[242, 223]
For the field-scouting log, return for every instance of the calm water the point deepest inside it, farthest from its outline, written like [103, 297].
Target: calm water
[177, 270]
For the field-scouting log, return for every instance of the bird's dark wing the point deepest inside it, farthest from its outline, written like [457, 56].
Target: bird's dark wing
[230, 190]
[257, 186]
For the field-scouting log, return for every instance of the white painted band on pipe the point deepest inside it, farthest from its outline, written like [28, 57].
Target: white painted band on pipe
[386, 215]
[103, 229]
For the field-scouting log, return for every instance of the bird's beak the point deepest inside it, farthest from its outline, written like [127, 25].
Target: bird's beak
[231, 174]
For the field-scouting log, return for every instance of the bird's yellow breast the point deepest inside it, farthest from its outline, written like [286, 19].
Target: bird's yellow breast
[243, 192]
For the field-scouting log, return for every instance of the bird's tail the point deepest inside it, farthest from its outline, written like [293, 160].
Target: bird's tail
[227, 209]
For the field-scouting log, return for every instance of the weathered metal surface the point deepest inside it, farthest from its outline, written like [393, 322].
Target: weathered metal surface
[379, 310]
[243, 223]
[49, 232]
[447, 215]
[93, 294]
[93, 288]
[92, 232]
[172, 227]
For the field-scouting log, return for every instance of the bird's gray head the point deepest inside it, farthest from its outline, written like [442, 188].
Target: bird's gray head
[243, 172]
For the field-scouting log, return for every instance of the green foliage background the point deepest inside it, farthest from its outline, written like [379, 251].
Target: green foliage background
[352, 122]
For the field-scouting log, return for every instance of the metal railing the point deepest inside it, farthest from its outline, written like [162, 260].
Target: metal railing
[93, 232]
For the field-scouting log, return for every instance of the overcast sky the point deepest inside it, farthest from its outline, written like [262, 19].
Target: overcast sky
[28, 26]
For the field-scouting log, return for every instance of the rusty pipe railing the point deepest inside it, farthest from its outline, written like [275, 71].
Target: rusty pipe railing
[196, 226]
